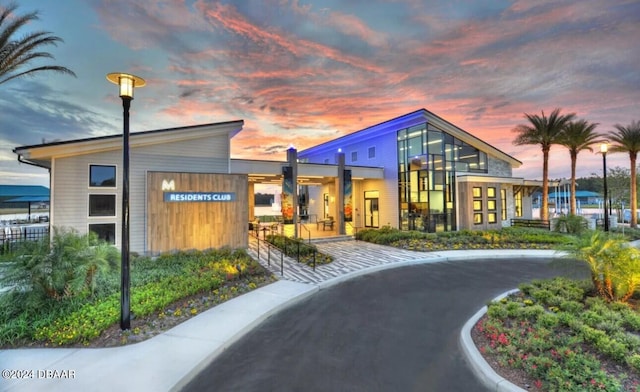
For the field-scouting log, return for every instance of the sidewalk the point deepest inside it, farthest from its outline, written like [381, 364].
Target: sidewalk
[167, 361]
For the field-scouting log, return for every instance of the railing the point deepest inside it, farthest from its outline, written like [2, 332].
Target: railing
[303, 226]
[12, 235]
[269, 247]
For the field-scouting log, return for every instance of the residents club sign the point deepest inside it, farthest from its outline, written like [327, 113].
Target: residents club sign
[199, 196]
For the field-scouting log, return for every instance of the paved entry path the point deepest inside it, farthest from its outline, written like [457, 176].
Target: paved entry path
[349, 256]
[393, 330]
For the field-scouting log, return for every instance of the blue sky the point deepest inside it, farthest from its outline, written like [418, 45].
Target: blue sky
[303, 72]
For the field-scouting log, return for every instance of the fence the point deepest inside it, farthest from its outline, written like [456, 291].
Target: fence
[12, 235]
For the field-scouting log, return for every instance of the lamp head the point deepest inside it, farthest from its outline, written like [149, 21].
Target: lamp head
[604, 147]
[126, 83]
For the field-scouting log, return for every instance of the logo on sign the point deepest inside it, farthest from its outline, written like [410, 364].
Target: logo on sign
[168, 185]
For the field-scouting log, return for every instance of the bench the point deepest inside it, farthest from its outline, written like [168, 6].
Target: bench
[326, 223]
[532, 223]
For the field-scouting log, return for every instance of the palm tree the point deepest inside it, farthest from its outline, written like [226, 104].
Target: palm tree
[627, 139]
[543, 131]
[578, 136]
[16, 54]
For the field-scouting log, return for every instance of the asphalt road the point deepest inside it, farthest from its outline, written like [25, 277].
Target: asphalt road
[395, 330]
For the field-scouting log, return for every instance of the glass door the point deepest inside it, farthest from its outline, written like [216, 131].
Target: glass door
[371, 209]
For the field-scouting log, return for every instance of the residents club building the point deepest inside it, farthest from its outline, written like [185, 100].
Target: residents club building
[413, 172]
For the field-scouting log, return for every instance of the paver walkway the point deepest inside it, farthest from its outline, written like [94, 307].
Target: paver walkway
[349, 256]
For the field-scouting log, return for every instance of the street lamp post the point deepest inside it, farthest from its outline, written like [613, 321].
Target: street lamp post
[126, 83]
[603, 150]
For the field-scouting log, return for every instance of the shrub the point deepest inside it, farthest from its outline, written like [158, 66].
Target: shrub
[615, 266]
[573, 224]
[67, 267]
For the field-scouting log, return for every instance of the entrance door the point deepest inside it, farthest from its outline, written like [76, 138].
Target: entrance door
[371, 212]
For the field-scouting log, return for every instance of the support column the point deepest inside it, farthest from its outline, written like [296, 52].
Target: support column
[340, 193]
[252, 201]
[292, 159]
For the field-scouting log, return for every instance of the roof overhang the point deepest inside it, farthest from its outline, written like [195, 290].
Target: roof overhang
[409, 120]
[270, 172]
[42, 154]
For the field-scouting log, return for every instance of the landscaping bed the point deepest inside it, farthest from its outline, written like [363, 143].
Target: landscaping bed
[68, 293]
[556, 335]
[299, 250]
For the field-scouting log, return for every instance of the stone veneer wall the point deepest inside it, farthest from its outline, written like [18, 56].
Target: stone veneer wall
[498, 168]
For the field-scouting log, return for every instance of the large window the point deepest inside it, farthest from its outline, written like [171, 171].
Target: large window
[518, 202]
[427, 166]
[102, 176]
[105, 231]
[102, 205]
[503, 204]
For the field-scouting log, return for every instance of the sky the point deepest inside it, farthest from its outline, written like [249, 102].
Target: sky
[304, 72]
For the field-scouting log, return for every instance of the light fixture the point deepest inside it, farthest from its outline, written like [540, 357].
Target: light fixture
[126, 83]
[603, 149]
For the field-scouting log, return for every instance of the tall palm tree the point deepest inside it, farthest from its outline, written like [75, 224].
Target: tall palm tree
[627, 139]
[577, 136]
[17, 53]
[545, 132]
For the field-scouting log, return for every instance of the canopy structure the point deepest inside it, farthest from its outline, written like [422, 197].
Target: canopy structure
[29, 200]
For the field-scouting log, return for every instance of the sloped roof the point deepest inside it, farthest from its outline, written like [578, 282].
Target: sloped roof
[28, 199]
[408, 120]
[578, 194]
[23, 190]
[41, 154]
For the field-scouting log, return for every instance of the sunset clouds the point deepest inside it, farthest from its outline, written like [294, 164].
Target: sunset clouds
[303, 72]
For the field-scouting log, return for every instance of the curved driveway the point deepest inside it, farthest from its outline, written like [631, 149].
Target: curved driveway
[393, 330]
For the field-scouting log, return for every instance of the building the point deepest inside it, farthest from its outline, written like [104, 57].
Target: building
[414, 172]
[437, 177]
[169, 170]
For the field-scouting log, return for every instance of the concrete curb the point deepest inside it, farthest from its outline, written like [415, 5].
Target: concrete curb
[479, 366]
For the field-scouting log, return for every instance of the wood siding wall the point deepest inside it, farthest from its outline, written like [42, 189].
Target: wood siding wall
[465, 206]
[70, 182]
[196, 225]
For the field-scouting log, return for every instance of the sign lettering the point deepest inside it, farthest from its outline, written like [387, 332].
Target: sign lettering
[199, 196]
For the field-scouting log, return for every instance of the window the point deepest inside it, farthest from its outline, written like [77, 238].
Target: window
[372, 152]
[105, 231]
[477, 205]
[518, 202]
[102, 176]
[491, 205]
[491, 192]
[354, 156]
[503, 204]
[102, 205]
[492, 217]
[477, 218]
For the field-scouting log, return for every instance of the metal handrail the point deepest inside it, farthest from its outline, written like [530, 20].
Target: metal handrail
[303, 226]
[269, 246]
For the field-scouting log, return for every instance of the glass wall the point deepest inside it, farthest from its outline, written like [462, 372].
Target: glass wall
[428, 160]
